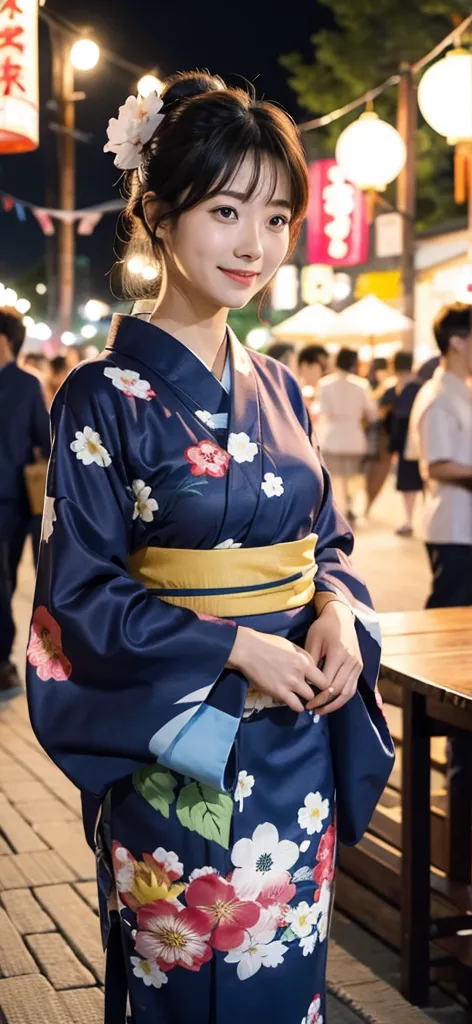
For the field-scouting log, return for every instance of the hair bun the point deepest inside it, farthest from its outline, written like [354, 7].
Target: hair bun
[187, 84]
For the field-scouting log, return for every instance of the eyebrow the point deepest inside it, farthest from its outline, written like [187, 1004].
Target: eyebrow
[242, 197]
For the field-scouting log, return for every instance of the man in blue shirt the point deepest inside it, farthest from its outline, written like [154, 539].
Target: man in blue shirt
[24, 433]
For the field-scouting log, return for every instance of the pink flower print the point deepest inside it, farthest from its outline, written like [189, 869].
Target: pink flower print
[207, 459]
[45, 647]
[229, 916]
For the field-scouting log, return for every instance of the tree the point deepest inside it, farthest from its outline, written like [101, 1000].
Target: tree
[367, 42]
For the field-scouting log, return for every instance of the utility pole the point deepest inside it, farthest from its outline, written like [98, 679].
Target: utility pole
[64, 97]
[406, 189]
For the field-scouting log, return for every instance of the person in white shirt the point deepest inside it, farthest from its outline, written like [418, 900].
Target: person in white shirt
[441, 436]
[347, 407]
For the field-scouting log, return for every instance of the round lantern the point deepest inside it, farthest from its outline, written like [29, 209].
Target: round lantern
[445, 96]
[370, 152]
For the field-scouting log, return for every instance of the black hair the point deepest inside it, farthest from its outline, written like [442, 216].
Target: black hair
[207, 131]
[379, 363]
[12, 328]
[450, 321]
[312, 354]
[58, 364]
[280, 350]
[346, 360]
[403, 362]
[36, 359]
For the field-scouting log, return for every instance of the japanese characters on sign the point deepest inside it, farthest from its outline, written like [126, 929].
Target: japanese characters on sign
[19, 90]
[337, 228]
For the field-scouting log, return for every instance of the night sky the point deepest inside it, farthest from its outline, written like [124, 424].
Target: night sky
[231, 40]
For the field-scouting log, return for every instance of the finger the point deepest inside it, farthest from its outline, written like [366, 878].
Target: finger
[303, 689]
[343, 698]
[346, 678]
[292, 701]
[335, 659]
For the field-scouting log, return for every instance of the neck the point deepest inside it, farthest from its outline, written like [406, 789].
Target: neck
[193, 320]
[6, 355]
[453, 363]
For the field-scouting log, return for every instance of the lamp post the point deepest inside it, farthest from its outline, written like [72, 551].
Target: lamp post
[83, 55]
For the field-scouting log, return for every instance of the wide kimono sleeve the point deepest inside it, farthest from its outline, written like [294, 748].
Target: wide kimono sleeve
[116, 677]
[362, 749]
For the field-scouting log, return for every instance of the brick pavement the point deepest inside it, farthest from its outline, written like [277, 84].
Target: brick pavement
[51, 962]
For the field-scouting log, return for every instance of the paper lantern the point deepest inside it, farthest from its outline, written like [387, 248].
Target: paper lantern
[371, 152]
[445, 96]
[19, 90]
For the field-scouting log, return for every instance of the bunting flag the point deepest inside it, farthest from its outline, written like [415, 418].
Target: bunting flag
[87, 219]
[88, 223]
[45, 222]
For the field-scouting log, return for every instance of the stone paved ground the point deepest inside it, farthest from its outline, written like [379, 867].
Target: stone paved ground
[51, 963]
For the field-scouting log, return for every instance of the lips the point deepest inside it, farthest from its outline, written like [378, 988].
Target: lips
[240, 276]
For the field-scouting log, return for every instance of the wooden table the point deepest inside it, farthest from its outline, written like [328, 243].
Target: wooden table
[427, 670]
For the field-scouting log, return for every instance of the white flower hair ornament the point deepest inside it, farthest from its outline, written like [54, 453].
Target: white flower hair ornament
[135, 125]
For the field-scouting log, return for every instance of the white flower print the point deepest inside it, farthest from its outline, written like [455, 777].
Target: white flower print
[304, 846]
[316, 718]
[314, 1016]
[225, 544]
[144, 506]
[200, 872]
[257, 950]
[322, 927]
[49, 518]
[129, 382]
[323, 906]
[261, 860]
[244, 788]
[149, 972]
[88, 448]
[308, 943]
[241, 448]
[170, 860]
[272, 485]
[302, 918]
[313, 814]
[125, 874]
[257, 701]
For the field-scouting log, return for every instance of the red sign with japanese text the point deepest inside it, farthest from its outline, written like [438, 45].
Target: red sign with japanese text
[337, 229]
[19, 98]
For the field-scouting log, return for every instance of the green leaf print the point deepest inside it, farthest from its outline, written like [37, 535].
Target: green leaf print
[156, 785]
[288, 935]
[206, 811]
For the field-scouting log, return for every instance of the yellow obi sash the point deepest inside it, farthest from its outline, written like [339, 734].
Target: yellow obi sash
[230, 582]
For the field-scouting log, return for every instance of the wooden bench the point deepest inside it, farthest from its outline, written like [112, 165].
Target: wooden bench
[426, 673]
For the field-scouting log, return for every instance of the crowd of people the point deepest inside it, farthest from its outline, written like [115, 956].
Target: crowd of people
[361, 422]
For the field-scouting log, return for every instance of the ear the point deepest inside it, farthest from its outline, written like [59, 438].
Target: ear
[153, 212]
[457, 343]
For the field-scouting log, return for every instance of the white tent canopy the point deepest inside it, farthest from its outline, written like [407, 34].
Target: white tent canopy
[370, 318]
[311, 322]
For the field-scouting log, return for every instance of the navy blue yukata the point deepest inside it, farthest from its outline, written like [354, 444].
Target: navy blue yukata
[216, 807]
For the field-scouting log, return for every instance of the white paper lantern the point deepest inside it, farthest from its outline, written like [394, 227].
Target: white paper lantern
[371, 152]
[445, 96]
[19, 95]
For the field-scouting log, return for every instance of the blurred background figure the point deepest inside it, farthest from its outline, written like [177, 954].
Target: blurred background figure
[347, 408]
[396, 405]
[312, 366]
[58, 371]
[285, 353]
[379, 457]
[24, 436]
[73, 356]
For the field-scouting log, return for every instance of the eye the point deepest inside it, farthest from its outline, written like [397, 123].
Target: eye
[278, 221]
[225, 212]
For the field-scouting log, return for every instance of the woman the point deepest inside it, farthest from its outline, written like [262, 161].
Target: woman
[396, 405]
[346, 408]
[177, 568]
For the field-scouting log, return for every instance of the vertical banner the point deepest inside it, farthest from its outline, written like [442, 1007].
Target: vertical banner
[337, 228]
[19, 88]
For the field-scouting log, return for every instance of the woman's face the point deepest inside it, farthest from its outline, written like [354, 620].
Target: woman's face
[227, 249]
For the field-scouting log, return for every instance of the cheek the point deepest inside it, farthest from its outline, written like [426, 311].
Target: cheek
[197, 242]
[275, 250]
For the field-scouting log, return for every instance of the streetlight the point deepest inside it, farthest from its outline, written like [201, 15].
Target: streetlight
[95, 310]
[84, 55]
[148, 84]
[23, 306]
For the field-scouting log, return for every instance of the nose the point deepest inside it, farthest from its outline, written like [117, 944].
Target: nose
[249, 243]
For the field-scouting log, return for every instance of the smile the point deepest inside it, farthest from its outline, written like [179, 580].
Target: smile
[241, 276]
